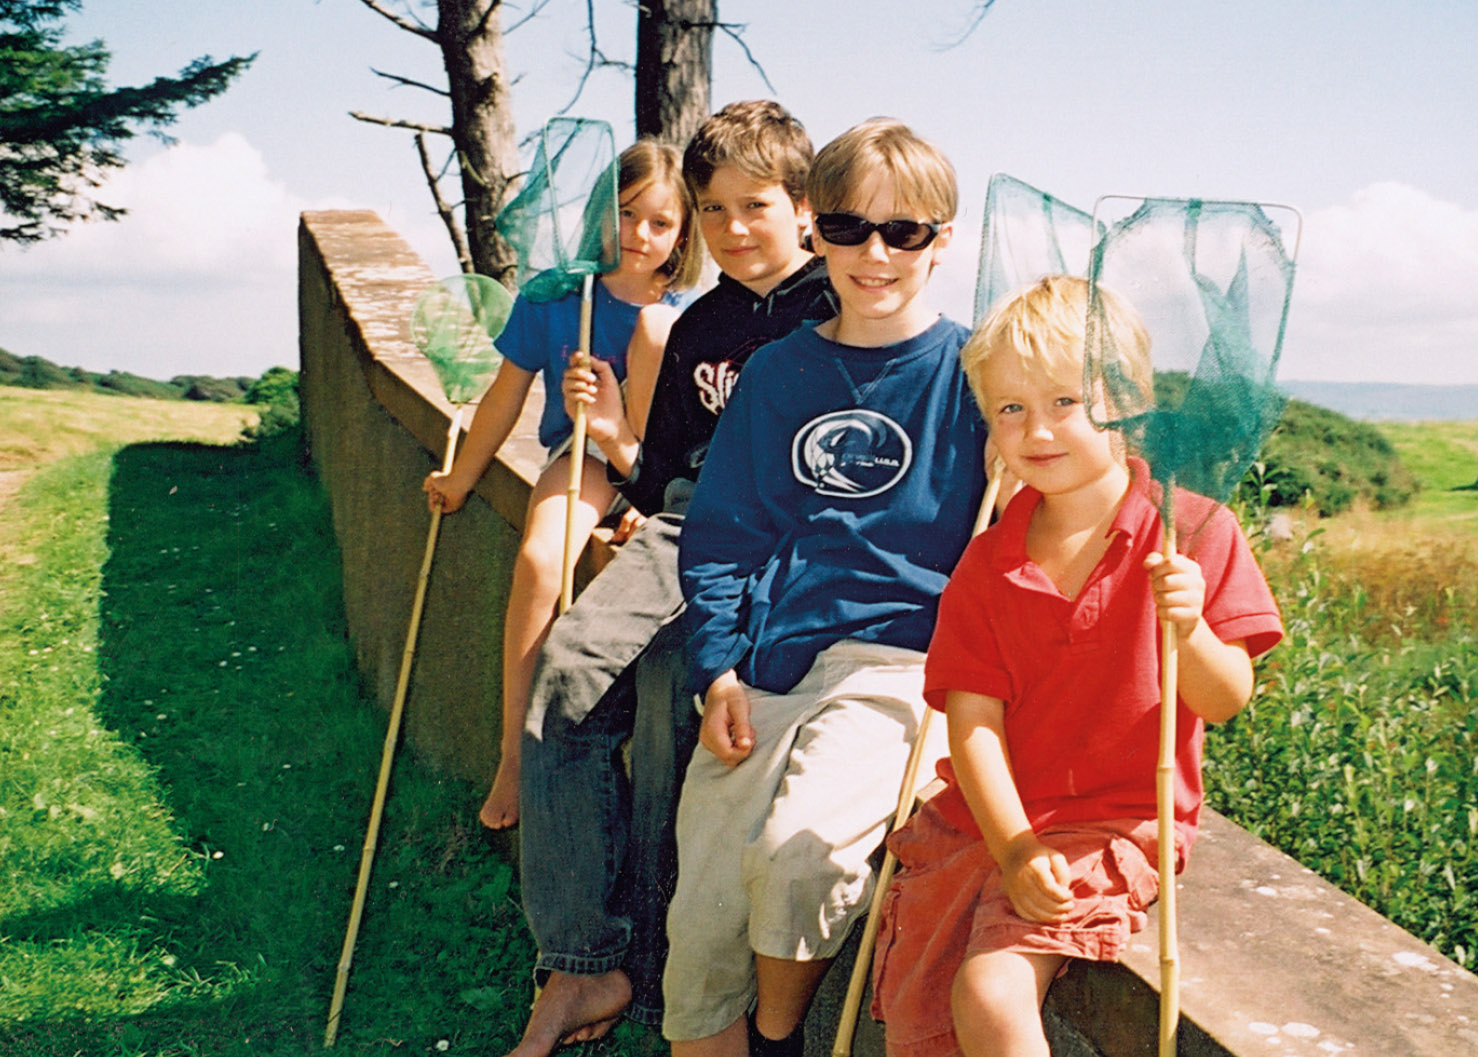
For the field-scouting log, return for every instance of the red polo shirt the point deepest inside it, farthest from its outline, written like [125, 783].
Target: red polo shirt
[1080, 677]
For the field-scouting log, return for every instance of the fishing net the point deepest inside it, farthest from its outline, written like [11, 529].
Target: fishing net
[455, 323]
[1028, 235]
[1211, 283]
[564, 222]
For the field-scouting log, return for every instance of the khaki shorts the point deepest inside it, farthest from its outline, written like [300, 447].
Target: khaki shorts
[947, 903]
[772, 854]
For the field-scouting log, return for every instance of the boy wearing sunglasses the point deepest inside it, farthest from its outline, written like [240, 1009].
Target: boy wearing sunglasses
[840, 488]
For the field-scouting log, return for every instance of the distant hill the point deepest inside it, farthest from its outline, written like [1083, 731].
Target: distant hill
[1379, 401]
[37, 372]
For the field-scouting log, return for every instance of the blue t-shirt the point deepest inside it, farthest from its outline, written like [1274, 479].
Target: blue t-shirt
[841, 486]
[541, 337]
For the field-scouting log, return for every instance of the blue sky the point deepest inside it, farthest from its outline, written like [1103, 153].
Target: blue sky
[1360, 114]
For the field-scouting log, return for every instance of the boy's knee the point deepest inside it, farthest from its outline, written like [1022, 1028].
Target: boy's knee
[990, 1006]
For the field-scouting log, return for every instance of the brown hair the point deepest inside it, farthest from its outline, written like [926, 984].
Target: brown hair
[758, 137]
[922, 177]
[647, 161]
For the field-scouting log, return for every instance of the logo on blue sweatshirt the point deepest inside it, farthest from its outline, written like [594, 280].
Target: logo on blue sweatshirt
[851, 454]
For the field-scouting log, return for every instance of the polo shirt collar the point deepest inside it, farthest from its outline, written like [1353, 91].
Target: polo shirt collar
[1138, 516]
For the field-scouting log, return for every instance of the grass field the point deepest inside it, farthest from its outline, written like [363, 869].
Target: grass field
[40, 425]
[1444, 457]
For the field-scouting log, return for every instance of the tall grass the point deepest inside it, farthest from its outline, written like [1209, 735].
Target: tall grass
[1359, 754]
[186, 763]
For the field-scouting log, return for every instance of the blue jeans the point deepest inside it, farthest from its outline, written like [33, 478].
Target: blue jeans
[598, 862]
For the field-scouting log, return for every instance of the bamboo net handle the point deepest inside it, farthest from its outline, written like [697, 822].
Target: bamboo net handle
[577, 456]
[387, 754]
[852, 1004]
[1165, 811]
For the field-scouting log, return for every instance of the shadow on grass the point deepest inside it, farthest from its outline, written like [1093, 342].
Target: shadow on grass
[223, 651]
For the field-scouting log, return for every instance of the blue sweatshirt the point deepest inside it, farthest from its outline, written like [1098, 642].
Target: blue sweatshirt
[841, 487]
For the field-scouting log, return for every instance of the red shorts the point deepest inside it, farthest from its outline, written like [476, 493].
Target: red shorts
[948, 902]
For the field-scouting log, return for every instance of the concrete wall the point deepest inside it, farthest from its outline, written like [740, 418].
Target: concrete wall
[1273, 959]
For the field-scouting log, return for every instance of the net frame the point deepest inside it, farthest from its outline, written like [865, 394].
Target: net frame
[1027, 234]
[564, 222]
[456, 323]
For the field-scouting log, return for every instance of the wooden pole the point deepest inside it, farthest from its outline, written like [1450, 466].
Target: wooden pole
[387, 755]
[577, 456]
[852, 1004]
[1165, 810]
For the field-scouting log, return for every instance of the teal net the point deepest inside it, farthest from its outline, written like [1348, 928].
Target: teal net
[1211, 283]
[456, 323]
[1028, 235]
[564, 222]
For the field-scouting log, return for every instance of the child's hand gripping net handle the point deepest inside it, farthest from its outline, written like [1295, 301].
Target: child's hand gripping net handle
[577, 456]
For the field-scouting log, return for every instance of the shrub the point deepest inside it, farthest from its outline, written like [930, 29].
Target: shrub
[1356, 756]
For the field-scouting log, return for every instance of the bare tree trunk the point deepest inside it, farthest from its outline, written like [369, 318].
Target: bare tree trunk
[674, 63]
[471, 39]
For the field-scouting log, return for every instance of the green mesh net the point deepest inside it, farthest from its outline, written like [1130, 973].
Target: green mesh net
[1028, 234]
[1211, 283]
[455, 323]
[564, 222]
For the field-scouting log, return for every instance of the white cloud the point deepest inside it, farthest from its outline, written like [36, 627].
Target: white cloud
[1385, 291]
[199, 277]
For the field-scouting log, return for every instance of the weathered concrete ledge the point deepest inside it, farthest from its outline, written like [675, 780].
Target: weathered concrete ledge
[377, 423]
[1274, 960]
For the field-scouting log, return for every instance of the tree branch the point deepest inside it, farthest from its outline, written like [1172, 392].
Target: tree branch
[533, 11]
[459, 239]
[406, 24]
[977, 16]
[735, 32]
[391, 122]
[410, 83]
[595, 60]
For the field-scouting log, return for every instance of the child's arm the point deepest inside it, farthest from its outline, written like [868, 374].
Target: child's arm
[726, 731]
[1035, 877]
[606, 421]
[644, 360]
[1215, 677]
[497, 414]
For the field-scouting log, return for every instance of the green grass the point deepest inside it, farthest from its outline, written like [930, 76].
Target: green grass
[186, 765]
[1444, 457]
[38, 426]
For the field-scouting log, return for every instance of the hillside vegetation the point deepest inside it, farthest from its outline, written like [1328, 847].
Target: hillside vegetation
[37, 372]
[1316, 457]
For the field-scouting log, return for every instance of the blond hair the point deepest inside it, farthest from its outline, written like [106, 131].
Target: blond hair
[921, 176]
[760, 138]
[648, 161]
[1044, 328]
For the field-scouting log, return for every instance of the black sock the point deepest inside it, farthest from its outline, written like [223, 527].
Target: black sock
[793, 1045]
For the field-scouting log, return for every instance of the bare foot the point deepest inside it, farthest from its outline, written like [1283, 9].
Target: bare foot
[500, 809]
[590, 1031]
[573, 1009]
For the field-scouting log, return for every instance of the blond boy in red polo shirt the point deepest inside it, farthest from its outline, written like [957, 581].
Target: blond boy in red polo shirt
[1045, 661]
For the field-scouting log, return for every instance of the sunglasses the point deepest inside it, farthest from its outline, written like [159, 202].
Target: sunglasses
[845, 229]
